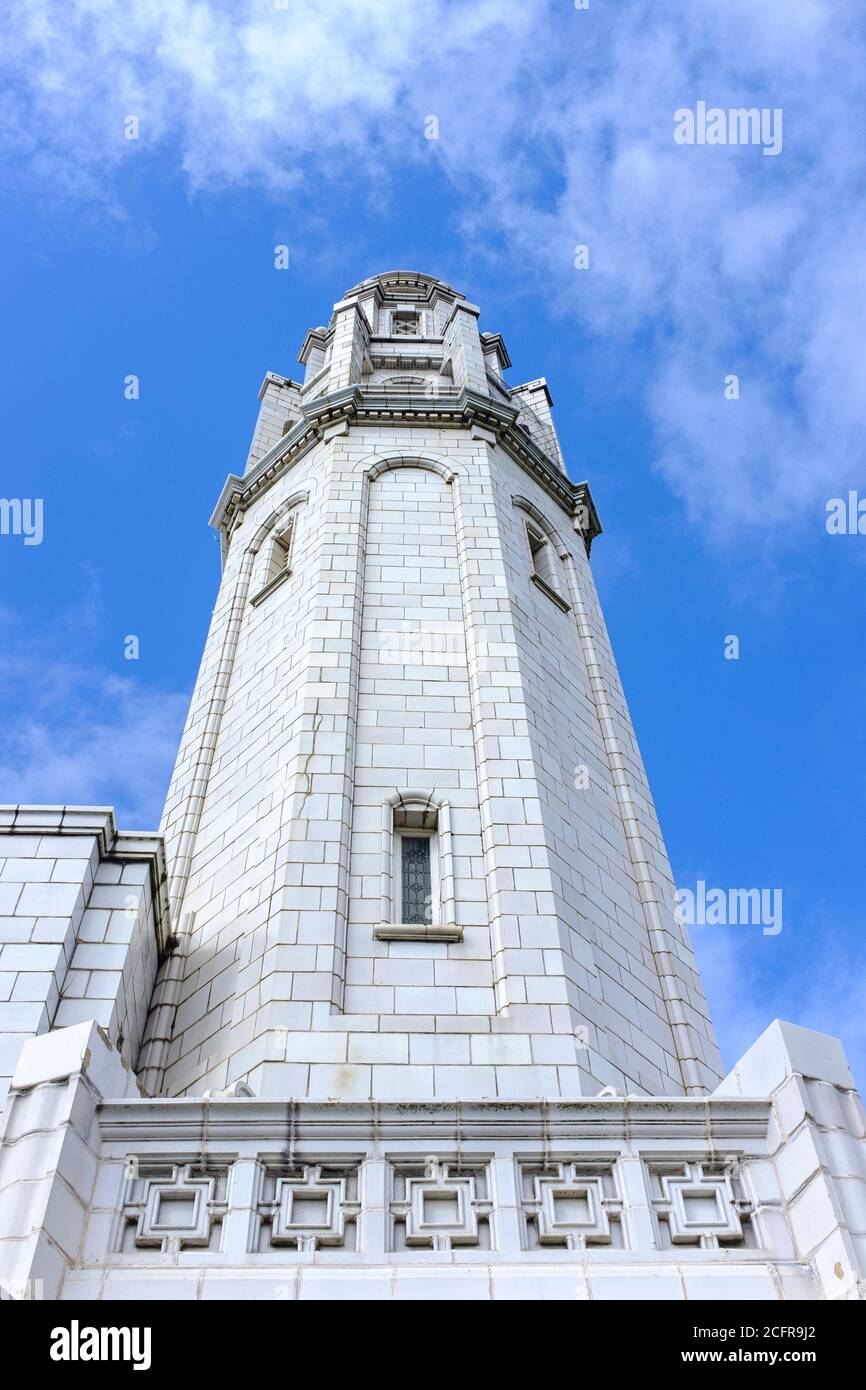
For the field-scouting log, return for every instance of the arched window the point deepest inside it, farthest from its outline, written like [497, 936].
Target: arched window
[546, 570]
[278, 560]
[281, 553]
[543, 559]
[417, 877]
[416, 860]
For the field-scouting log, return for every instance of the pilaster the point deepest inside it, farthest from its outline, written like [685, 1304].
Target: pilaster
[350, 345]
[818, 1148]
[49, 1153]
[462, 348]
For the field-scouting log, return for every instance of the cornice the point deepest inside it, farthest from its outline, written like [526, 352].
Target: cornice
[383, 341]
[60, 820]
[494, 342]
[539, 384]
[314, 337]
[123, 845]
[455, 410]
[393, 284]
[285, 383]
[405, 361]
[713, 1120]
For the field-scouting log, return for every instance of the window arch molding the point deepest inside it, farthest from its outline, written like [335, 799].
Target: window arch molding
[276, 534]
[523, 504]
[375, 465]
[276, 518]
[417, 812]
[404, 381]
[545, 547]
[432, 384]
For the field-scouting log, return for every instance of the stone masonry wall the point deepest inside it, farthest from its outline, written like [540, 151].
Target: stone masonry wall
[269, 994]
[80, 926]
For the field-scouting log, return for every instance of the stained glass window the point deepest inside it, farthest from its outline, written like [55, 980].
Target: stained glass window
[416, 878]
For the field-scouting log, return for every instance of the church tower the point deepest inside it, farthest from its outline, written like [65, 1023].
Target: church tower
[397, 1005]
[412, 849]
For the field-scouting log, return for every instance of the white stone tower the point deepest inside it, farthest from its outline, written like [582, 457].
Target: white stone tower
[412, 849]
[397, 1005]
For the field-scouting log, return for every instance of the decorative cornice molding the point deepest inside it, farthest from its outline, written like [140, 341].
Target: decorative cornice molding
[60, 820]
[453, 410]
[314, 337]
[285, 383]
[494, 342]
[712, 1120]
[395, 284]
[527, 387]
[124, 845]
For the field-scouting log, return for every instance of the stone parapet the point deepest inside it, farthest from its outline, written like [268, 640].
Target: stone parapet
[104, 1194]
[83, 919]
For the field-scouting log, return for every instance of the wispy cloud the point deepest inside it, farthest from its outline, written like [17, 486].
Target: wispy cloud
[725, 261]
[822, 986]
[239, 92]
[86, 736]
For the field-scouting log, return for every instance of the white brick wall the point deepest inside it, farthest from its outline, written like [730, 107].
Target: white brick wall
[415, 732]
[78, 934]
[280, 406]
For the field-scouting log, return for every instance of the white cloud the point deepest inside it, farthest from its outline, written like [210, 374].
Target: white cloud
[728, 261]
[233, 91]
[819, 985]
[720, 259]
[85, 736]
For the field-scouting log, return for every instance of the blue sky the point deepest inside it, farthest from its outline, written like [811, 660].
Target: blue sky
[305, 126]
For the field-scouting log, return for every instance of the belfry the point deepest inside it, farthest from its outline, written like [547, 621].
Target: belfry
[398, 995]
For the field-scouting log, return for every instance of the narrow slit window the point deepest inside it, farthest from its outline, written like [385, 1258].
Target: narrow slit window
[415, 828]
[417, 871]
[542, 557]
[278, 563]
[280, 557]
